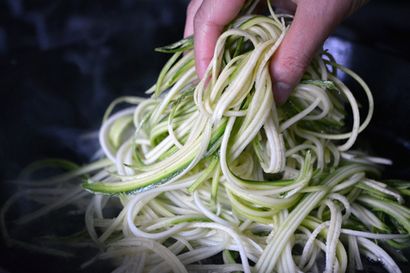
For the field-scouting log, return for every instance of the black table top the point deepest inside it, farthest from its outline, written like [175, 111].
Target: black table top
[62, 62]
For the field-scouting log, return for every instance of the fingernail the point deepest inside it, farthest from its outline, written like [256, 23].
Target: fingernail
[281, 92]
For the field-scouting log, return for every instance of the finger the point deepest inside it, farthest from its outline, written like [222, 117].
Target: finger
[313, 21]
[191, 10]
[210, 19]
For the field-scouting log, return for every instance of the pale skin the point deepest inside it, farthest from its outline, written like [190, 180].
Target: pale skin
[313, 21]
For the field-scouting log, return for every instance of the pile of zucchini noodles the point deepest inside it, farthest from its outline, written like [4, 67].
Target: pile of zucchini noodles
[211, 176]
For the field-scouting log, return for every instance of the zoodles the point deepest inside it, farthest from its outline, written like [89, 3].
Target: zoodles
[213, 167]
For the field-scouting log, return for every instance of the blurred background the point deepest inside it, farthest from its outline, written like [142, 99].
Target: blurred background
[63, 62]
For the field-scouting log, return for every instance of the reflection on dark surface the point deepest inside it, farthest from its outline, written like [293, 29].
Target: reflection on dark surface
[62, 62]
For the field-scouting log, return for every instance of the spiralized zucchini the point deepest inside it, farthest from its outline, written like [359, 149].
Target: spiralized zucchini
[213, 166]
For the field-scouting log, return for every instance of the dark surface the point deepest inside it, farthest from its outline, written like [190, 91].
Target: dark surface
[62, 62]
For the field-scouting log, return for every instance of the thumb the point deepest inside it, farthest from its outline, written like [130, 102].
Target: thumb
[313, 21]
[209, 21]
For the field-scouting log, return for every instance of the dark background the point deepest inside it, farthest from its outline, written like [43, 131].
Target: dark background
[62, 62]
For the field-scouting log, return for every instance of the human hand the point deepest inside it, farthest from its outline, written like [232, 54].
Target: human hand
[312, 24]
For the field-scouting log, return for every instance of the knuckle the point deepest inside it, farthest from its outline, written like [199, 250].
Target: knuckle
[293, 65]
[200, 17]
[191, 8]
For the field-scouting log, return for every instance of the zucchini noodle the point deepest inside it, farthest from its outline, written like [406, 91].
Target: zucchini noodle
[213, 168]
